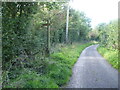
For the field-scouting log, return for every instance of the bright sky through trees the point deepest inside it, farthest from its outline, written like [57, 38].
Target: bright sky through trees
[98, 10]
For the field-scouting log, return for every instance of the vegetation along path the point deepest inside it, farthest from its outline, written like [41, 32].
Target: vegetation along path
[93, 71]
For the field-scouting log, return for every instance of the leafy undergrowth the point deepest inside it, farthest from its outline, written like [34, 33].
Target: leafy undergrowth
[56, 70]
[110, 55]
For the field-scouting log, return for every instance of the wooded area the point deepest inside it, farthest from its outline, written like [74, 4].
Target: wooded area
[35, 28]
[106, 34]
[32, 32]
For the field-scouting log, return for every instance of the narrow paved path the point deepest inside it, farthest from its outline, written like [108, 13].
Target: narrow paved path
[93, 71]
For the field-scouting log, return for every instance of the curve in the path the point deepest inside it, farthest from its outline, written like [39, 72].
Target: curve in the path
[93, 71]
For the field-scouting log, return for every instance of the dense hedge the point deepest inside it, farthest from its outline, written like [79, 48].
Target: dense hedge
[32, 28]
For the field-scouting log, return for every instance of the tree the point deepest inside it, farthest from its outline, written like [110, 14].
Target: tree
[79, 26]
[108, 34]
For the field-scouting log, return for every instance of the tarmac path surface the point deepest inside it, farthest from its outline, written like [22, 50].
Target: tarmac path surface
[93, 71]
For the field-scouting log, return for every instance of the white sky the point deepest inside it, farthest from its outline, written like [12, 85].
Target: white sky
[98, 10]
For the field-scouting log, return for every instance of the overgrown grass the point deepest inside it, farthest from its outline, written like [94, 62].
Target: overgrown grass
[62, 62]
[110, 55]
[57, 69]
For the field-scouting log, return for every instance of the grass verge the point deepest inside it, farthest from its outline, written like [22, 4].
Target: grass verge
[56, 70]
[110, 55]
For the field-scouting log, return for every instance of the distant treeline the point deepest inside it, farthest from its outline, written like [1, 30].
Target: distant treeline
[106, 34]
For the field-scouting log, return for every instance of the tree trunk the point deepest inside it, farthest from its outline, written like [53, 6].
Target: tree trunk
[48, 39]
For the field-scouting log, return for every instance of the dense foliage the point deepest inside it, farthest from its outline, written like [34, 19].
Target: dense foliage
[30, 33]
[34, 54]
[56, 71]
[110, 55]
[106, 34]
[79, 26]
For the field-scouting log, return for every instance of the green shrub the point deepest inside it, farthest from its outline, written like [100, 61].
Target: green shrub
[57, 69]
[110, 55]
[32, 80]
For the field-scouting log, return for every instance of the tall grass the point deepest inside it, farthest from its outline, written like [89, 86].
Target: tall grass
[110, 55]
[56, 70]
